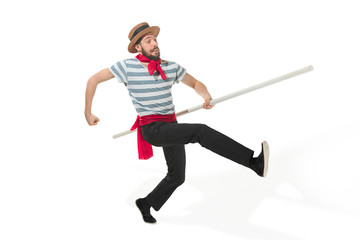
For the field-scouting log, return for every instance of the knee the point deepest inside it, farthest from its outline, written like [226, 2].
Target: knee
[202, 127]
[176, 180]
[181, 180]
[201, 133]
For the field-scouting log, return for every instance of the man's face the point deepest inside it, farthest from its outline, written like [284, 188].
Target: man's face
[149, 47]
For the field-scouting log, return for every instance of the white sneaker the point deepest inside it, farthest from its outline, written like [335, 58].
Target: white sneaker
[265, 152]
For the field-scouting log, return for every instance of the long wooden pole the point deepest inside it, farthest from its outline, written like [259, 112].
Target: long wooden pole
[236, 94]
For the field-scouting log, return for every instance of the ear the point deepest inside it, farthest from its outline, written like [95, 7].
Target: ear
[138, 47]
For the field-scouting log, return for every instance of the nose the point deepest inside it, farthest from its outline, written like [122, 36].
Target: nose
[155, 44]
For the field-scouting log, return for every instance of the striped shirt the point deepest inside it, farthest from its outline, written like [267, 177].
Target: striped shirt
[149, 94]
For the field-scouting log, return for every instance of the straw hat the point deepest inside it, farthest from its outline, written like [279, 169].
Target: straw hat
[138, 31]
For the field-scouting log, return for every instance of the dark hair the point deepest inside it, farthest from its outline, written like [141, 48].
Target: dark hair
[139, 40]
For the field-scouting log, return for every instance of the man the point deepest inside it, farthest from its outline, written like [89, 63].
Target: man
[149, 81]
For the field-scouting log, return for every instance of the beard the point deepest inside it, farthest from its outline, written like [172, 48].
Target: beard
[149, 55]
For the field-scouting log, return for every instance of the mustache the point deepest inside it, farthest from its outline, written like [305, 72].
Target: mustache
[155, 48]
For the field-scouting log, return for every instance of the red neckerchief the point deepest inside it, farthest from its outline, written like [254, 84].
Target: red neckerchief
[153, 65]
[144, 148]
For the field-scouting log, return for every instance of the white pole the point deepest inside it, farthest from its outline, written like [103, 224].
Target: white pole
[236, 94]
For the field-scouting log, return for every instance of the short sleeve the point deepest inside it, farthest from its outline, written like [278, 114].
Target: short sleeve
[180, 73]
[119, 71]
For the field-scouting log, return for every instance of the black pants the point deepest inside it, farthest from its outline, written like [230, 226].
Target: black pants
[172, 137]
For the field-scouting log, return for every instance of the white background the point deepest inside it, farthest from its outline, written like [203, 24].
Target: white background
[61, 179]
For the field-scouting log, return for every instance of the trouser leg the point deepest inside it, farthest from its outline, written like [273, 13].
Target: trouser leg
[168, 134]
[175, 160]
[172, 137]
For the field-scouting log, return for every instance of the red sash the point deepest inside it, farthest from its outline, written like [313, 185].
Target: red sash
[145, 148]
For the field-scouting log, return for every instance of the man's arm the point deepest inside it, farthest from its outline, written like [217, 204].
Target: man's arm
[92, 83]
[200, 89]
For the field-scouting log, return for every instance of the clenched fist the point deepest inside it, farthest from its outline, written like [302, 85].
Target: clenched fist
[91, 119]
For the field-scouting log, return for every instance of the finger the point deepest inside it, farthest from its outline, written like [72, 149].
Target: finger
[95, 122]
[210, 106]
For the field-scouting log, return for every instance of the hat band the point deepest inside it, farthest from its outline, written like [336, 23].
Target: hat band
[139, 30]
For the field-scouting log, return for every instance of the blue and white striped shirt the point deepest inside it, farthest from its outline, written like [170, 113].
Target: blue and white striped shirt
[149, 94]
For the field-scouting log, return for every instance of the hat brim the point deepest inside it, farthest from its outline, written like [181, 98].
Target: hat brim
[153, 29]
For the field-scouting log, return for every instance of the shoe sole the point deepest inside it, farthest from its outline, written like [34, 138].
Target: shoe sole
[265, 146]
